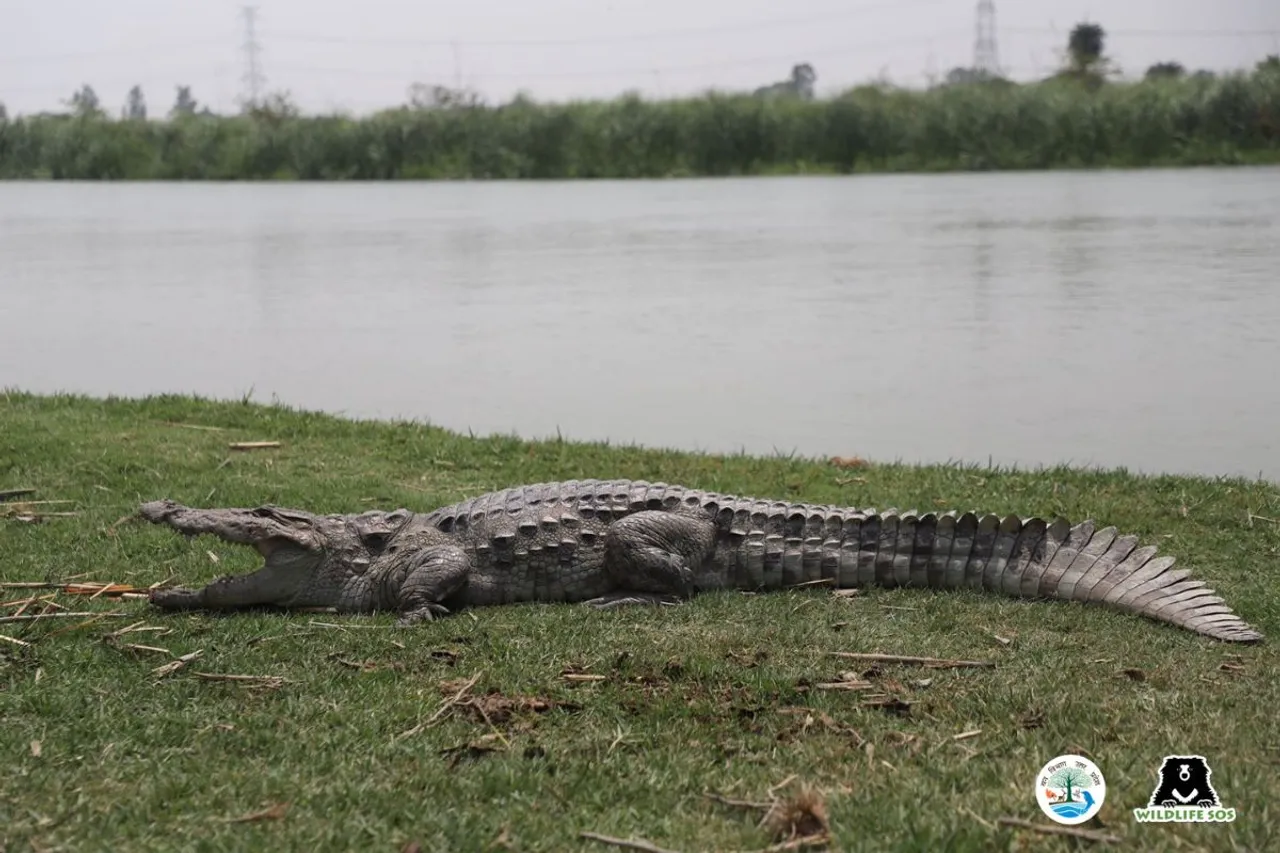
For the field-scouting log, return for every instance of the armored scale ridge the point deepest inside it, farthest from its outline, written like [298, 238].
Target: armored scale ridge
[610, 543]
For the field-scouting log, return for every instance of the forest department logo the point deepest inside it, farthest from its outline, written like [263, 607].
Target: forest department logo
[1070, 789]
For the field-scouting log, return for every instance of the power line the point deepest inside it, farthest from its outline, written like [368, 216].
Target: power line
[151, 51]
[169, 48]
[654, 35]
[1156, 33]
[253, 78]
[843, 49]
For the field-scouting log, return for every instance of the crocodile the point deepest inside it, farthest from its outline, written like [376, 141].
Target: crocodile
[611, 543]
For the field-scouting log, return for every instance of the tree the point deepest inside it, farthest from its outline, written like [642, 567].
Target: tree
[425, 97]
[184, 104]
[1069, 778]
[1085, 45]
[135, 107]
[1270, 65]
[1165, 71]
[961, 76]
[800, 84]
[84, 102]
[4, 112]
[274, 107]
[1084, 61]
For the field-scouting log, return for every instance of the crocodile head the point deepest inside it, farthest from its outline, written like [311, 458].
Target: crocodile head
[310, 560]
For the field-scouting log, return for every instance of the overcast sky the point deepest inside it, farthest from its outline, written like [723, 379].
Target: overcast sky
[357, 56]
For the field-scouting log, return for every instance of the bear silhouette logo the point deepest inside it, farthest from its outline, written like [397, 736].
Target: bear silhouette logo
[1184, 783]
[1184, 794]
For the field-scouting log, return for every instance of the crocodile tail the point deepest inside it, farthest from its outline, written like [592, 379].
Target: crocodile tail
[1034, 558]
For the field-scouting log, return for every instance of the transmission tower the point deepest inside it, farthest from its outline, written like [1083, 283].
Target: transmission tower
[253, 79]
[986, 59]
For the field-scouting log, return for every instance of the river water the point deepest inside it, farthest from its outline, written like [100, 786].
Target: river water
[1125, 318]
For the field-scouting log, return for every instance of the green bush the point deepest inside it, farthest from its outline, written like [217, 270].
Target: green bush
[1055, 123]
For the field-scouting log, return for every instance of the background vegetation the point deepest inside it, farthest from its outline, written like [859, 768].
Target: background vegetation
[1080, 117]
[1064, 122]
[339, 736]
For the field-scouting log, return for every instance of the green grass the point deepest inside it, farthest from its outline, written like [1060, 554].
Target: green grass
[1227, 120]
[710, 696]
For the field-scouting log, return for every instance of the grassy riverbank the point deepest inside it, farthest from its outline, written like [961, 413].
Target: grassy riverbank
[1226, 120]
[718, 695]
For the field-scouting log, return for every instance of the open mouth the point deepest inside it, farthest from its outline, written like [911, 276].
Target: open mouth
[289, 541]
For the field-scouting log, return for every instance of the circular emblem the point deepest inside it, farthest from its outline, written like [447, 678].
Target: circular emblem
[1070, 789]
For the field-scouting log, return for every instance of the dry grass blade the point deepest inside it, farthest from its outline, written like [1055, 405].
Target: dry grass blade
[113, 639]
[444, 708]
[778, 786]
[10, 494]
[41, 503]
[274, 812]
[811, 717]
[887, 700]
[177, 664]
[112, 590]
[193, 426]
[14, 640]
[253, 445]
[818, 582]
[856, 684]
[47, 602]
[473, 749]
[136, 628]
[29, 517]
[624, 843]
[935, 663]
[1071, 831]
[36, 617]
[135, 647]
[271, 682]
[23, 603]
[818, 839]
[117, 634]
[738, 804]
[358, 665]
[26, 511]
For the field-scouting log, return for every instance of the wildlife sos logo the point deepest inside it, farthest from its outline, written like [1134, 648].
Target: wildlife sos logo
[1184, 794]
[1070, 789]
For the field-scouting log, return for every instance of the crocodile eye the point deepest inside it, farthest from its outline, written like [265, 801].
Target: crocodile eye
[375, 540]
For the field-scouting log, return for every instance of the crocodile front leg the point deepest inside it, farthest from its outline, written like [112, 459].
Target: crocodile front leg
[430, 577]
[651, 558]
